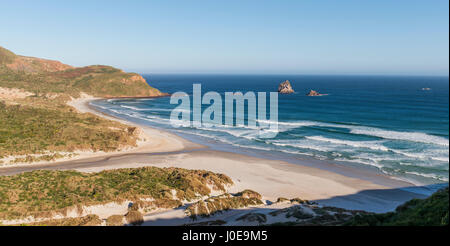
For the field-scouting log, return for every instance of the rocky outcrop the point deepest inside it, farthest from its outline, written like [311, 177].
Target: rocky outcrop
[285, 88]
[313, 93]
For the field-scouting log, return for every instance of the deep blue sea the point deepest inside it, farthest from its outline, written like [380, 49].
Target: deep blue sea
[387, 122]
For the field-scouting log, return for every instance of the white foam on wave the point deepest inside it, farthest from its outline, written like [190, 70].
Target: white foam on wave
[290, 123]
[373, 131]
[424, 155]
[111, 100]
[302, 145]
[377, 145]
[429, 175]
[374, 145]
[405, 136]
[354, 129]
[144, 99]
[433, 154]
[133, 108]
[362, 161]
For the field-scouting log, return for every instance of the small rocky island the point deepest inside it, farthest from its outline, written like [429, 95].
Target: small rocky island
[313, 93]
[285, 88]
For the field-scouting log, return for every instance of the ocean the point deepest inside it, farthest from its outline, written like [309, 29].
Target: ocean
[388, 123]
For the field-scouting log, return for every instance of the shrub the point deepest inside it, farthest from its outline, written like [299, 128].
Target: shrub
[42, 193]
[249, 194]
[114, 220]
[134, 218]
[222, 203]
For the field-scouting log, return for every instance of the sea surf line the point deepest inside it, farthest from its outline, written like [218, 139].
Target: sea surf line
[212, 115]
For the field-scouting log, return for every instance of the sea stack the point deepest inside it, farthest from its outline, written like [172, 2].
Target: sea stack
[285, 88]
[313, 93]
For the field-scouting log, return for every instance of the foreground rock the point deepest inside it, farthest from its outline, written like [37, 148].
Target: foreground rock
[285, 88]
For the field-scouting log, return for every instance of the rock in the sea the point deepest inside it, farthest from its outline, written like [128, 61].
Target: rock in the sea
[285, 88]
[313, 93]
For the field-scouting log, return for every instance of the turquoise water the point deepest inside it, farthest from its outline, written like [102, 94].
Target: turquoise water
[390, 123]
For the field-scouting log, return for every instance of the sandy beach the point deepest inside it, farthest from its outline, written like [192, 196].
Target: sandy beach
[271, 178]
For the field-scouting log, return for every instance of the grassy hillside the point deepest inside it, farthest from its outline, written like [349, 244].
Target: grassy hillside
[34, 130]
[43, 123]
[39, 193]
[43, 76]
[6, 56]
[432, 211]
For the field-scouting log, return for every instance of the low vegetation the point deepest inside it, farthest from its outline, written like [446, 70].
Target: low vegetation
[254, 217]
[88, 220]
[39, 121]
[43, 193]
[26, 130]
[134, 218]
[115, 220]
[45, 76]
[163, 203]
[249, 194]
[225, 202]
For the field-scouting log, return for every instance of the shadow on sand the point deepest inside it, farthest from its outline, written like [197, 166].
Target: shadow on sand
[381, 200]
[378, 201]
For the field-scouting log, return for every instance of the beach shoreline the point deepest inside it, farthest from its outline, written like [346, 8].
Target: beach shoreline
[271, 178]
[161, 141]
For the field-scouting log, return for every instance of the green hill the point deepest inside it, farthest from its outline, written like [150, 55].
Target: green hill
[46, 76]
[6, 56]
[36, 124]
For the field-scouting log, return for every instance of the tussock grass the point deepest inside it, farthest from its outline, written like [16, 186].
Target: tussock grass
[34, 130]
[253, 217]
[213, 205]
[88, 220]
[43, 193]
[158, 203]
[115, 220]
[6, 56]
[249, 194]
[134, 218]
[101, 81]
[299, 200]
[282, 199]
[45, 123]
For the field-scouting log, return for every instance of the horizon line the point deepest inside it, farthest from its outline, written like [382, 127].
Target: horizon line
[292, 74]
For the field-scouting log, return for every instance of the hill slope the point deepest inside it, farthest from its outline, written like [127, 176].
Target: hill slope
[46, 76]
[36, 124]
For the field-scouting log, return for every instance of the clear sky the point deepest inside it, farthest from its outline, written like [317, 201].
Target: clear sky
[294, 37]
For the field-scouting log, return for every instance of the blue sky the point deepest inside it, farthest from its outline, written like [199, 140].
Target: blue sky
[276, 37]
